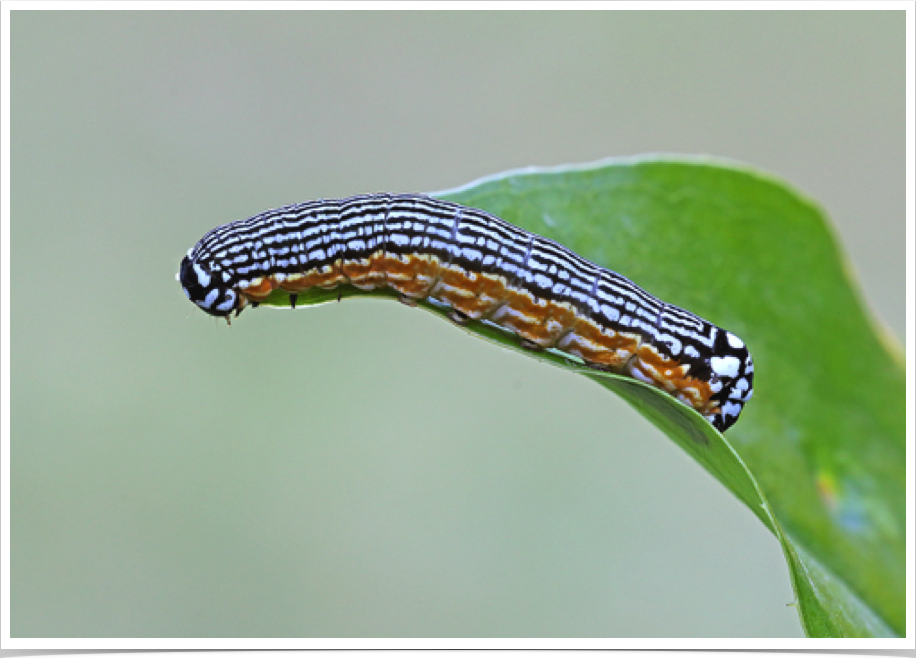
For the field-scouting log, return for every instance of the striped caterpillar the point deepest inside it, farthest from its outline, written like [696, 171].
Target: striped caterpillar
[484, 269]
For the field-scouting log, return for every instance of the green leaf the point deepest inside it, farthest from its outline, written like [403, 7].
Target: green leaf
[819, 452]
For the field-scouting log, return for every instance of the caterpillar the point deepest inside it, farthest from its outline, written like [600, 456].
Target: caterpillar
[484, 269]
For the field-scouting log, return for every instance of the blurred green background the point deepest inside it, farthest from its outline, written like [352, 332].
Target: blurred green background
[364, 469]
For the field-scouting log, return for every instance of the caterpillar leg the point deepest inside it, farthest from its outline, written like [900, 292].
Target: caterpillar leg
[407, 301]
[458, 317]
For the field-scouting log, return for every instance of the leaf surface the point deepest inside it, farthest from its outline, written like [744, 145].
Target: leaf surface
[818, 454]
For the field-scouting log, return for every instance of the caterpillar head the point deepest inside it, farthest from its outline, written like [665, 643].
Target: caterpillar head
[206, 289]
[733, 370]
